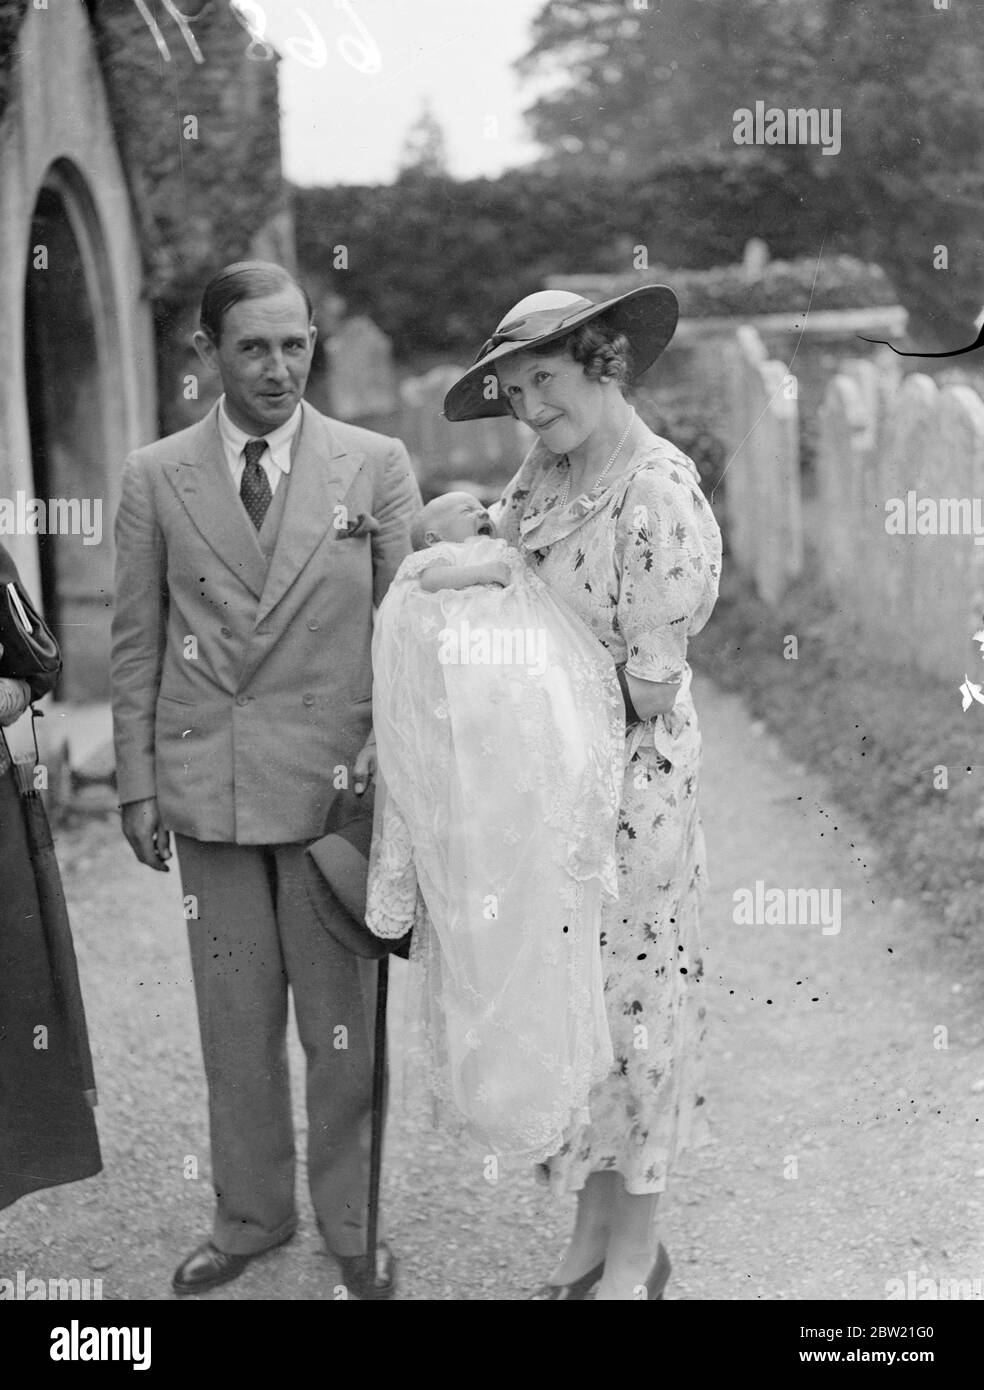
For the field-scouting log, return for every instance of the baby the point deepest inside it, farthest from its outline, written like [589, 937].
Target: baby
[456, 517]
[500, 734]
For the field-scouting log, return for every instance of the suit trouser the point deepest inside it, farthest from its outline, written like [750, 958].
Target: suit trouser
[255, 933]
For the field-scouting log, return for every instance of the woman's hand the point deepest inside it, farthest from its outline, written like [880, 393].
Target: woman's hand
[15, 696]
[652, 697]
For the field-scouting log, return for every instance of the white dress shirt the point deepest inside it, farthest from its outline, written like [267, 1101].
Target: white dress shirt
[275, 459]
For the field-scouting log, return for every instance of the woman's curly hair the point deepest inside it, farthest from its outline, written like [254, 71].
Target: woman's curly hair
[599, 350]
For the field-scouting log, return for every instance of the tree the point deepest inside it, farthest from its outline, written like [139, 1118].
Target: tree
[640, 84]
[907, 78]
[632, 85]
[425, 149]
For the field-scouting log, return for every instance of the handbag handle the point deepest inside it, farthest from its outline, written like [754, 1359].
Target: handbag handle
[18, 607]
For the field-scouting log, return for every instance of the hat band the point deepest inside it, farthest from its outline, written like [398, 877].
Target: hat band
[531, 326]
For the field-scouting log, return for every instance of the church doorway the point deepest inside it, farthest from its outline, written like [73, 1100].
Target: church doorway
[71, 351]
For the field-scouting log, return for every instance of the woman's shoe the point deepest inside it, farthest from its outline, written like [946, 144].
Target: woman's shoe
[580, 1288]
[659, 1274]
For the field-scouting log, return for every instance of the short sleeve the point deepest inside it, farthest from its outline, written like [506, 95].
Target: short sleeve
[669, 548]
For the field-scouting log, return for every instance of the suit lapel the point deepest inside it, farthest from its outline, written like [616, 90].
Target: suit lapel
[321, 474]
[204, 484]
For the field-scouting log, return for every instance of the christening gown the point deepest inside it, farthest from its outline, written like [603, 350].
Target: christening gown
[500, 736]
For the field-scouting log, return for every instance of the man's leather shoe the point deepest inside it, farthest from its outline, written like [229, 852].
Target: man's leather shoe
[365, 1282]
[208, 1267]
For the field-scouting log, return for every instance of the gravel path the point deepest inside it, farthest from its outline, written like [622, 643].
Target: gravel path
[845, 1143]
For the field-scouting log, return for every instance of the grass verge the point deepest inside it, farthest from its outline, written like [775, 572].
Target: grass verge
[881, 733]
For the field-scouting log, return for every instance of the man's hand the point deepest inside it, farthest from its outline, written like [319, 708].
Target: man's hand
[364, 768]
[146, 833]
[15, 696]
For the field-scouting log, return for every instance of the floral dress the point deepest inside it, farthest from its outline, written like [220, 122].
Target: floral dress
[638, 561]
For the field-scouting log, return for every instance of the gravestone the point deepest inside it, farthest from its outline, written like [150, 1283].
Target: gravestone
[901, 460]
[776, 464]
[362, 380]
[845, 419]
[424, 429]
[949, 569]
[762, 481]
[487, 451]
[755, 258]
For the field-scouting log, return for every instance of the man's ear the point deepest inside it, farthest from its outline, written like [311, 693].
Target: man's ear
[314, 336]
[206, 348]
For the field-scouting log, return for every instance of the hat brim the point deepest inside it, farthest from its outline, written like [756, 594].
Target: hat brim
[336, 872]
[647, 316]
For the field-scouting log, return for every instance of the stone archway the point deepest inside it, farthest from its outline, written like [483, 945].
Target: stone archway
[72, 360]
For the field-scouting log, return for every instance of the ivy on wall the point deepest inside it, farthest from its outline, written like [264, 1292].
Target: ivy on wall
[200, 141]
[11, 15]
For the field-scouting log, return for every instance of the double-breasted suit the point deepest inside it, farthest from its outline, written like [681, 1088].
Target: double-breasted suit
[242, 684]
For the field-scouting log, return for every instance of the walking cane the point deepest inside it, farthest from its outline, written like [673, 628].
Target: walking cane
[378, 1103]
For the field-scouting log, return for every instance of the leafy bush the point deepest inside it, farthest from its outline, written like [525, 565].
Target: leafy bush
[437, 263]
[674, 416]
[841, 282]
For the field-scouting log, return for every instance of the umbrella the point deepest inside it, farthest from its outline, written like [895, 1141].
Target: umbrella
[54, 918]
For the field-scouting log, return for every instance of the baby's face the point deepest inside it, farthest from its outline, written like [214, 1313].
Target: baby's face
[459, 516]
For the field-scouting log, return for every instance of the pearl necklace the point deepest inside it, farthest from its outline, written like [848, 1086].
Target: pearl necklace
[607, 468]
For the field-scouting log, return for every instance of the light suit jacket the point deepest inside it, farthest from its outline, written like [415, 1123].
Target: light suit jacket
[238, 691]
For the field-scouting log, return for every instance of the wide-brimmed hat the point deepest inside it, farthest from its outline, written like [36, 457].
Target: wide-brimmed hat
[647, 316]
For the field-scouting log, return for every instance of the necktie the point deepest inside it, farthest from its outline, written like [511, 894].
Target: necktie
[255, 487]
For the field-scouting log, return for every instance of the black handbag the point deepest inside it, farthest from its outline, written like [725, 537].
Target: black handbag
[28, 650]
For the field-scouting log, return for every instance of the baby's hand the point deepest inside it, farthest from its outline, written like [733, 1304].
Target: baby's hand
[499, 573]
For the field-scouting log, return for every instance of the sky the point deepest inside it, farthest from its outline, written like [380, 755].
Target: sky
[355, 74]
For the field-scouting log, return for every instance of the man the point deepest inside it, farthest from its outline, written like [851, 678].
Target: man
[251, 549]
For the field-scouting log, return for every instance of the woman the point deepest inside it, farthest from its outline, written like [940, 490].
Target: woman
[612, 518]
[47, 1129]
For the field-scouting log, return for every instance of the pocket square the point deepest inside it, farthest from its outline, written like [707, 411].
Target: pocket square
[365, 524]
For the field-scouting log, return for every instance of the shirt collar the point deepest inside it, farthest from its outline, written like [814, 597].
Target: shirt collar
[278, 441]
